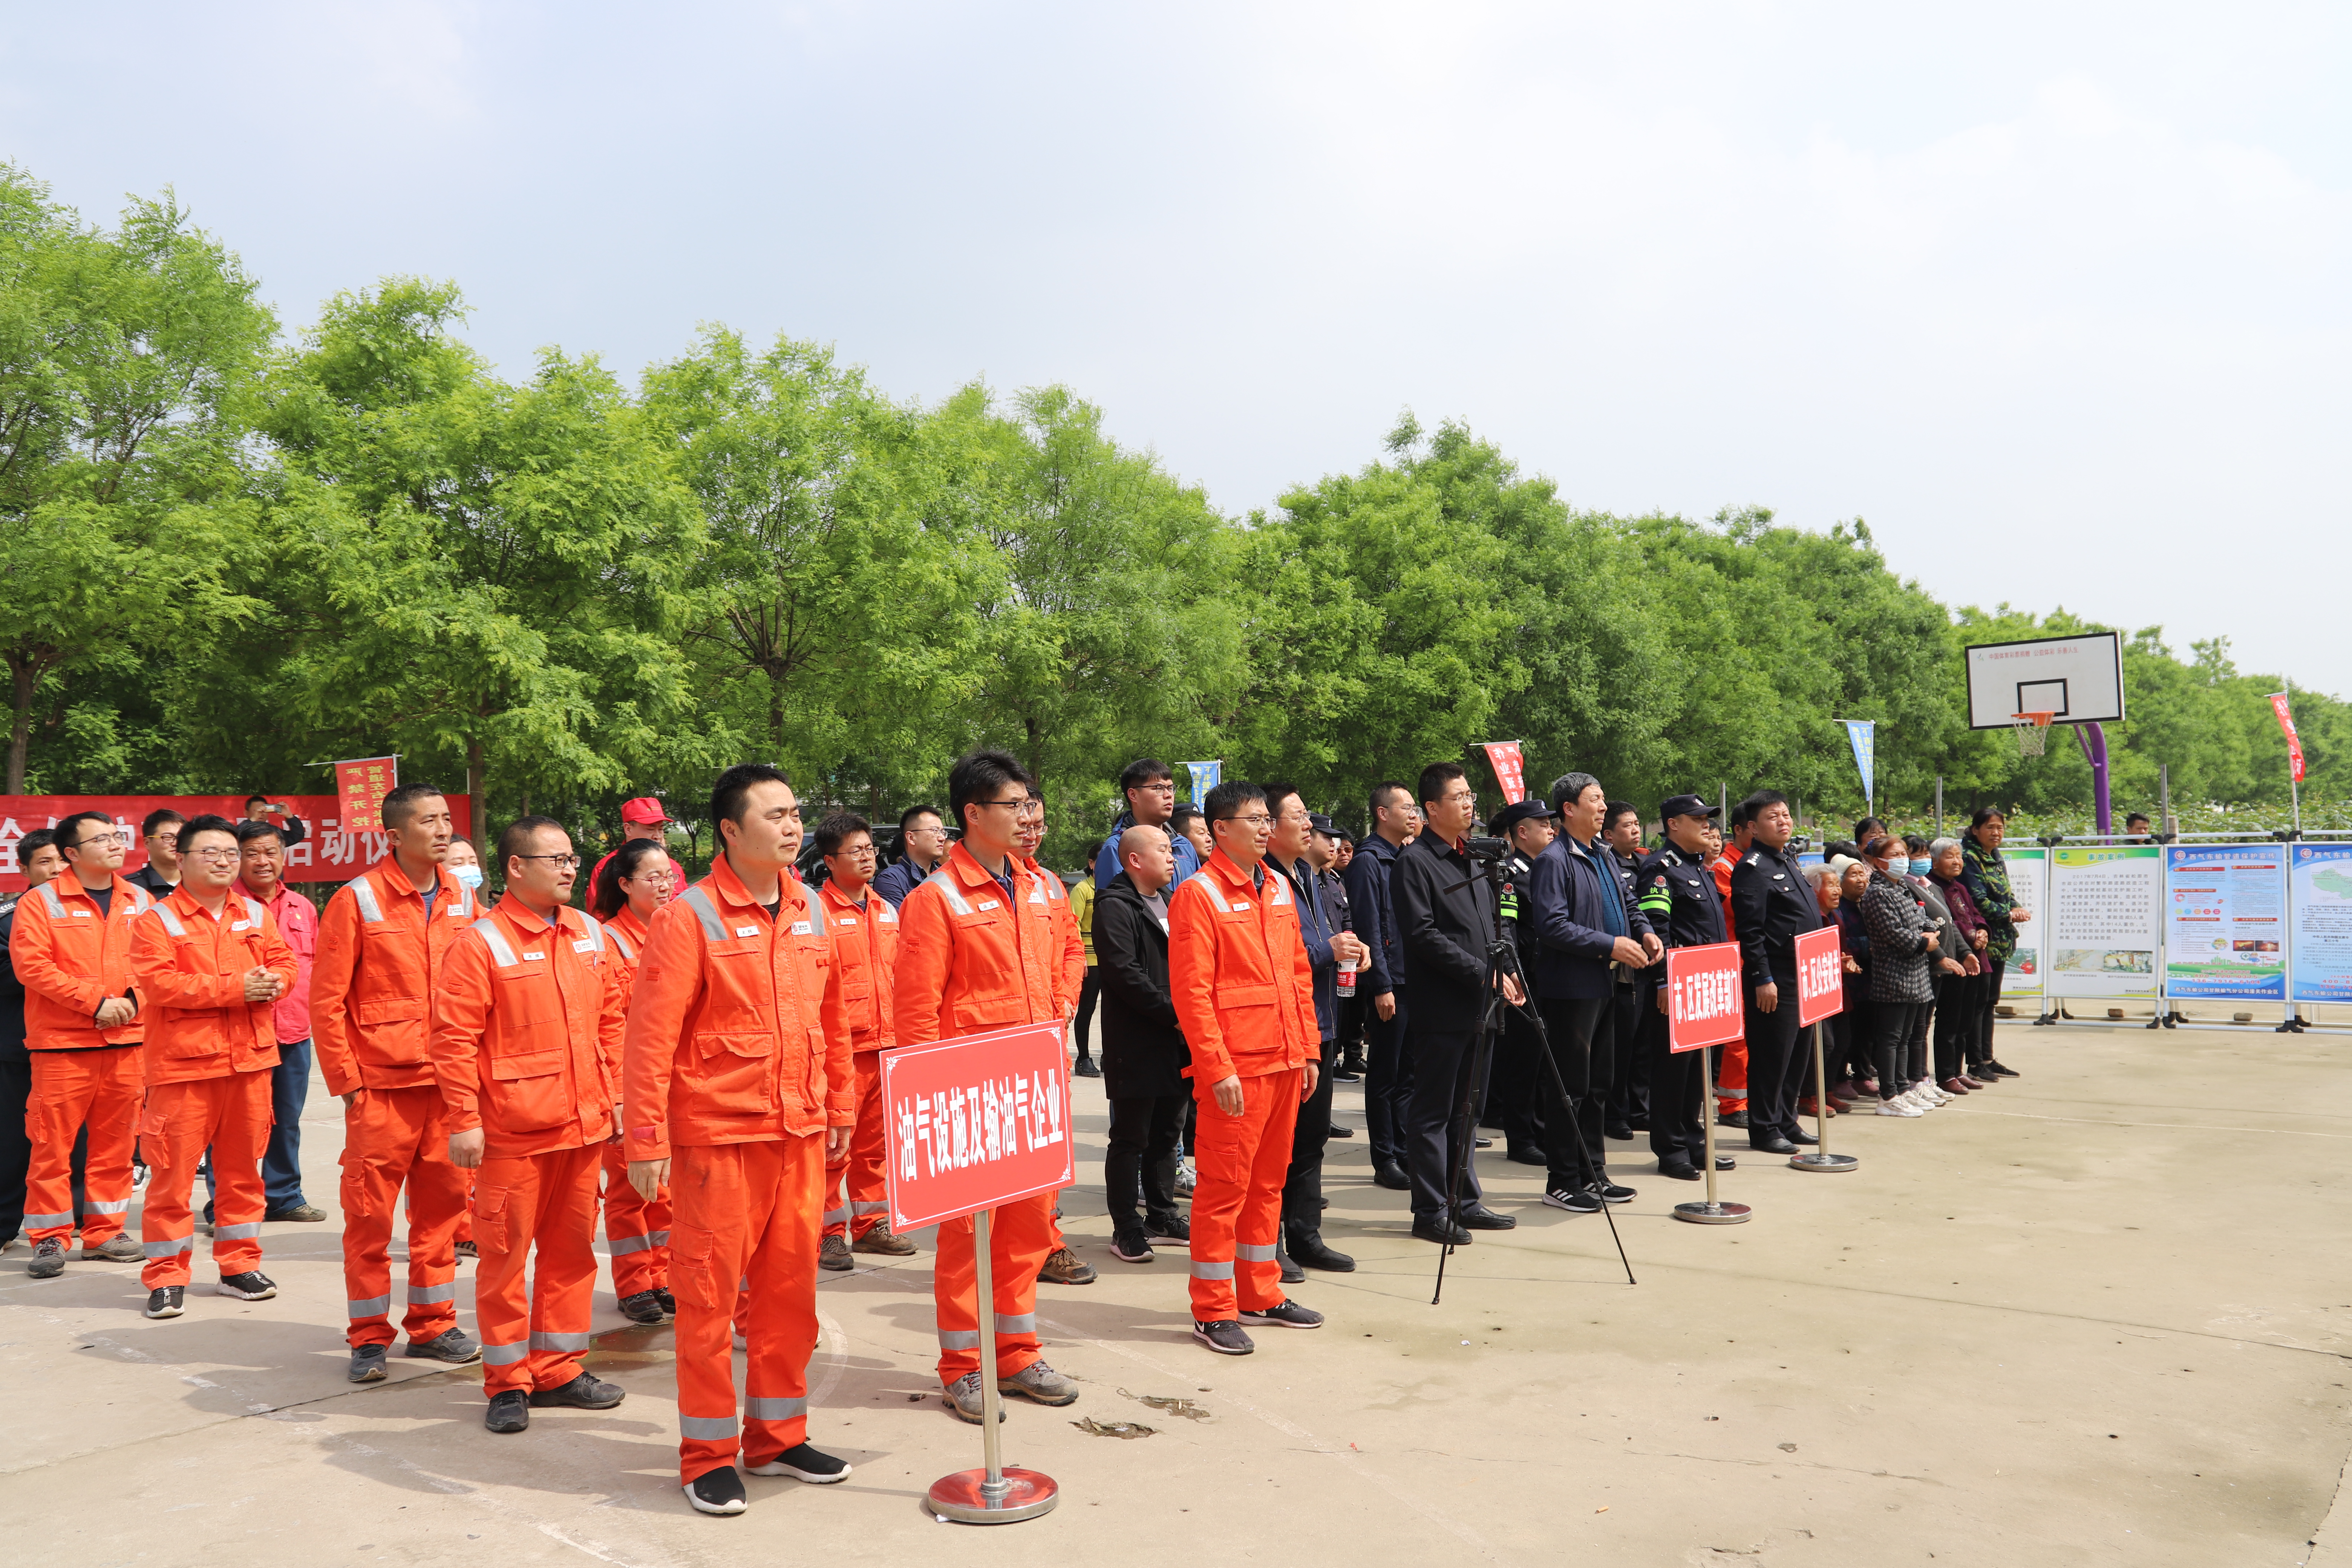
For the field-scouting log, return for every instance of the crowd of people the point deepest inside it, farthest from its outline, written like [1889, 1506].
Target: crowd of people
[693, 1068]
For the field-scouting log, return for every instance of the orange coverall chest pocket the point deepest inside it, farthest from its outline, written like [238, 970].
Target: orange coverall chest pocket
[526, 993]
[393, 1027]
[530, 1095]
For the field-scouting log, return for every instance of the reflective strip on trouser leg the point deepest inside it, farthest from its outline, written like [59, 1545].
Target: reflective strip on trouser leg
[388, 1137]
[542, 1204]
[780, 1322]
[757, 1408]
[236, 1232]
[239, 1139]
[97, 1089]
[711, 1190]
[708, 1428]
[1021, 1236]
[505, 1356]
[1243, 1161]
[428, 1295]
[438, 1203]
[374, 1307]
[112, 1205]
[1204, 1271]
[174, 1130]
[622, 1246]
[867, 1187]
[171, 1248]
[1249, 1253]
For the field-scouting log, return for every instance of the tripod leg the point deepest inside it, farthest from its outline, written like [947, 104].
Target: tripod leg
[1576, 1130]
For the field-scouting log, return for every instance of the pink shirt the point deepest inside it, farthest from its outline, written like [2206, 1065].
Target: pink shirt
[298, 922]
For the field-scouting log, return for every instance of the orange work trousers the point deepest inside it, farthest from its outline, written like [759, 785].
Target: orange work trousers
[394, 1138]
[231, 1116]
[1021, 1236]
[96, 1088]
[638, 1231]
[1731, 1080]
[744, 1213]
[533, 1337]
[861, 1164]
[1242, 1162]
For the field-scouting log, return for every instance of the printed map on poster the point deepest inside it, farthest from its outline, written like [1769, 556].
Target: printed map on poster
[2320, 921]
[2225, 922]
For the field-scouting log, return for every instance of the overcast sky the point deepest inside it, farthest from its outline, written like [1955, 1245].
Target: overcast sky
[2055, 297]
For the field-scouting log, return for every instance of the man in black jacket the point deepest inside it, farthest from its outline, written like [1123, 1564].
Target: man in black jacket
[1676, 891]
[1388, 1075]
[1445, 922]
[1143, 1050]
[1771, 903]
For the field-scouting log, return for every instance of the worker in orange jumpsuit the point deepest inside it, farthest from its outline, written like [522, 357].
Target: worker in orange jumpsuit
[632, 882]
[1068, 945]
[1245, 992]
[382, 944]
[527, 1049]
[1731, 1057]
[71, 947]
[973, 955]
[737, 1088]
[865, 935]
[210, 964]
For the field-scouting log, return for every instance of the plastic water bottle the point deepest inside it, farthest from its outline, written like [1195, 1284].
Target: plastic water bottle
[1347, 980]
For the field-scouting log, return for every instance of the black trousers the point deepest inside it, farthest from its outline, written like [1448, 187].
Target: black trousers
[1520, 1086]
[1139, 1159]
[1302, 1189]
[1957, 1007]
[1388, 1082]
[1090, 993]
[15, 1148]
[1981, 1051]
[1895, 1022]
[1430, 1131]
[1353, 1011]
[1628, 1072]
[1915, 1057]
[1677, 1135]
[1774, 1067]
[1584, 1043]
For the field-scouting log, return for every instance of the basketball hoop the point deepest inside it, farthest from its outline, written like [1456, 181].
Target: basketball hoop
[2032, 731]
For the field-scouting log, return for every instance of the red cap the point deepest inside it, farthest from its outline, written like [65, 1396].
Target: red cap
[644, 809]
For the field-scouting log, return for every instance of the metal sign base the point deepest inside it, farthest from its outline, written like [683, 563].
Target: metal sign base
[1819, 1157]
[1713, 1214]
[1814, 1160]
[992, 1494]
[1710, 1212]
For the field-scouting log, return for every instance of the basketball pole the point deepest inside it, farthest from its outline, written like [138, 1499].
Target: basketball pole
[2094, 747]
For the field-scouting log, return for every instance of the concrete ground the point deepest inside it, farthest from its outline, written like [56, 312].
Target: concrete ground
[2088, 1317]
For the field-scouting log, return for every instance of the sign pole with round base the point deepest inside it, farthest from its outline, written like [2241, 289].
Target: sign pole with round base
[992, 1494]
[1710, 1212]
[1819, 1158]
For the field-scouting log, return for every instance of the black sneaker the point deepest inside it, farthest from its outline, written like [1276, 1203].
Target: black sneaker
[716, 1491]
[468, 1249]
[643, 1306]
[805, 1463]
[367, 1363]
[833, 1255]
[510, 1412]
[668, 1302]
[49, 1259]
[1225, 1337]
[1174, 1230]
[165, 1300]
[1342, 1075]
[1084, 1068]
[585, 1392]
[1130, 1246]
[1995, 1069]
[450, 1346]
[1284, 1315]
[1612, 1193]
[1579, 1201]
[252, 1285]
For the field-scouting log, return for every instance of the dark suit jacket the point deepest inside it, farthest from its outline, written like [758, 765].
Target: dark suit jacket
[1143, 1049]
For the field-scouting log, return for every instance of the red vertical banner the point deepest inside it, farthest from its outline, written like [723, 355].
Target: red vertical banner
[1703, 1002]
[974, 1123]
[360, 786]
[1510, 768]
[2294, 742]
[1821, 975]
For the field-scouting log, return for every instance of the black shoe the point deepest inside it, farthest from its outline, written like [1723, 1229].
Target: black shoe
[1678, 1172]
[1436, 1230]
[1620, 1131]
[251, 1286]
[449, 1345]
[1225, 1337]
[1342, 1075]
[1485, 1142]
[1291, 1273]
[367, 1363]
[1579, 1201]
[1085, 1067]
[1391, 1175]
[1339, 1132]
[644, 1307]
[716, 1491]
[1639, 1125]
[1527, 1157]
[1611, 1192]
[585, 1392]
[468, 1249]
[1170, 1230]
[1478, 1217]
[1994, 1067]
[833, 1254]
[668, 1302]
[805, 1463]
[510, 1412]
[1284, 1315]
[49, 1259]
[1307, 1245]
[1731, 1119]
[1130, 1246]
[1726, 1162]
[165, 1300]
[1771, 1143]
[1801, 1138]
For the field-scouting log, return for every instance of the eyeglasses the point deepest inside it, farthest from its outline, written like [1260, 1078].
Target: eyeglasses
[563, 862]
[1168, 788]
[99, 839]
[216, 856]
[1459, 797]
[1256, 819]
[1018, 807]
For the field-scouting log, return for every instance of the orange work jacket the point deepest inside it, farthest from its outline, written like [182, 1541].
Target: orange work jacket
[1066, 943]
[190, 968]
[864, 947]
[628, 934]
[70, 958]
[735, 1033]
[1238, 971]
[380, 958]
[969, 959]
[526, 1026]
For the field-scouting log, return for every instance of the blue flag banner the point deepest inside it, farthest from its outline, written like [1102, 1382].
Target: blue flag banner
[1864, 733]
[1206, 776]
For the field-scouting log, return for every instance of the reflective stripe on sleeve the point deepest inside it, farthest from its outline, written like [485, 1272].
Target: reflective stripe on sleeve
[698, 898]
[363, 895]
[499, 950]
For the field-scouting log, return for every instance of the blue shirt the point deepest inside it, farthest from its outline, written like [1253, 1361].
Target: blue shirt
[1107, 863]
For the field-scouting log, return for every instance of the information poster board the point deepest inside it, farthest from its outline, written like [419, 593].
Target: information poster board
[2105, 928]
[2029, 879]
[2319, 918]
[2225, 922]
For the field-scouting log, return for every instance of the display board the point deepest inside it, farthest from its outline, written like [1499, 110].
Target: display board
[2225, 922]
[2105, 928]
[2028, 879]
[2319, 922]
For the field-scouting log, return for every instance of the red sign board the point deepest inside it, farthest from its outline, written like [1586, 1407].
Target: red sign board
[974, 1122]
[1510, 768]
[1703, 1001]
[360, 786]
[331, 849]
[1821, 975]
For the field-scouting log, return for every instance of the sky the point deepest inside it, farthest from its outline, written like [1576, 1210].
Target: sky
[2054, 297]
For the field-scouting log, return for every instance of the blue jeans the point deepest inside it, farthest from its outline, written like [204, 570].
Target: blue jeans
[281, 1164]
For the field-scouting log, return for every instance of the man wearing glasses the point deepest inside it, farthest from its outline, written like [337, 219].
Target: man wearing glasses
[1150, 790]
[71, 947]
[1062, 1265]
[864, 939]
[160, 837]
[922, 844]
[261, 849]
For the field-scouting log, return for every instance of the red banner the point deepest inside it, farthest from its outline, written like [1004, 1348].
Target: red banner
[1821, 975]
[360, 786]
[1703, 1004]
[974, 1122]
[2294, 742]
[329, 851]
[1510, 768]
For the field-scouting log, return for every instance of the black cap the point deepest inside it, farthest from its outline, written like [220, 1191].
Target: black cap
[1687, 805]
[1511, 815]
[1324, 825]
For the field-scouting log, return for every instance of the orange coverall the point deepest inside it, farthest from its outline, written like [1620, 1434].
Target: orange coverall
[736, 1061]
[1245, 992]
[864, 947]
[381, 952]
[209, 1053]
[70, 958]
[971, 957]
[637, 1230]
[527, 1047]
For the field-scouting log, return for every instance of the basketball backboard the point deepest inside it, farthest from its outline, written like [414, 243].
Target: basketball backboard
[2076, 681]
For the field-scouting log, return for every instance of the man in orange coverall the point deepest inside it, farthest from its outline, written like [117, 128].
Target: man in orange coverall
[382, 944]
[210, 965]
[1069, 946]
[71, 947]
[973, 955]
[1245, 992]
[865, 936]
[526, 1047]
[737, 1086]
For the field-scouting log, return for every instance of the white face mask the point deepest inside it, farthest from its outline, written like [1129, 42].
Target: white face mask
[468, 876]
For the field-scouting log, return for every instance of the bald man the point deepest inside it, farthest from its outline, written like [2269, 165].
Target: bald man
[1143, 1055]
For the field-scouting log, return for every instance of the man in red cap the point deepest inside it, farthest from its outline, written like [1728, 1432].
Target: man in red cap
[644, 818]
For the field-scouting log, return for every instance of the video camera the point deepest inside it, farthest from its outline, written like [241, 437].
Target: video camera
[1492, 851]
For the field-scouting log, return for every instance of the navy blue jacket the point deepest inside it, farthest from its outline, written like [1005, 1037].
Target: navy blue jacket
[897, 879]
[1318, 921]
[1107, 861]
[1372, 903]
[1563, 903]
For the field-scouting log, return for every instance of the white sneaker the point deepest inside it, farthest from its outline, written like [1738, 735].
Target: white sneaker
[1911, 1100]
[1938, 1095]
[1186, 1177]
[1896, 1108]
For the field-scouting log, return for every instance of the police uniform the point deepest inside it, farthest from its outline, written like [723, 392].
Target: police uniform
[1516, 1095]
[1677, 893]
[1772, 902]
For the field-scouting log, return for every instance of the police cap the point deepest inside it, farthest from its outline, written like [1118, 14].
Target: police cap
[1511, 815]
[1685, 805]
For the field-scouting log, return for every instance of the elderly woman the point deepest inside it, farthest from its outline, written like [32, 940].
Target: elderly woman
[1951, 962]
[1854, 938]
[1902, 943]
[1840, 1047]
[1959, 997]
[1986, 877]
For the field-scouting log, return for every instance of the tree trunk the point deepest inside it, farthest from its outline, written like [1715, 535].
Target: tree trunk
[20, 733]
